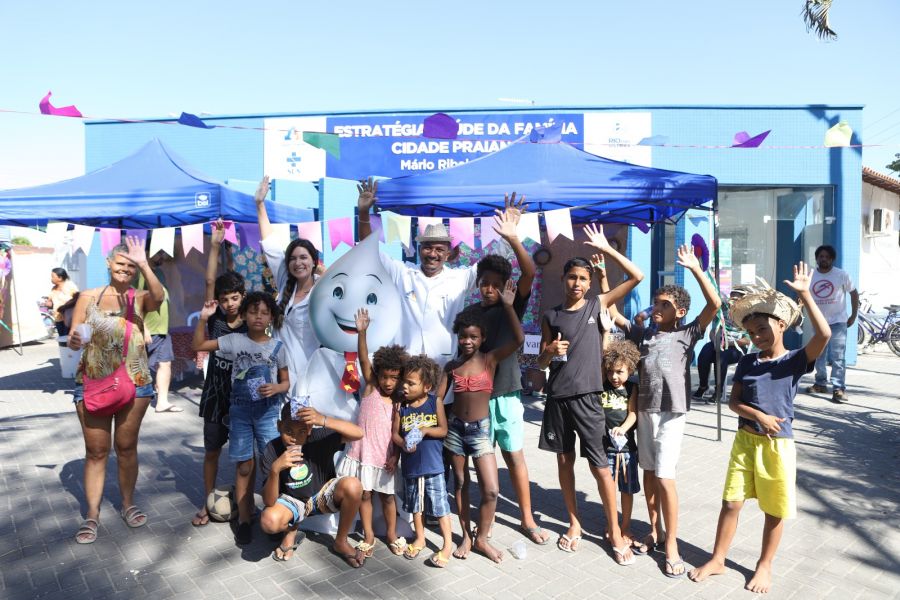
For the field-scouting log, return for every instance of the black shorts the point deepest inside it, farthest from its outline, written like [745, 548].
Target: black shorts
[159, 350]
[565, 417]
[215, 435]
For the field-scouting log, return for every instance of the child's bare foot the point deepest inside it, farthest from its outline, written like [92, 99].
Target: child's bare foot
[481, 545]
[761, 580]
[712, 567]
[464, 547]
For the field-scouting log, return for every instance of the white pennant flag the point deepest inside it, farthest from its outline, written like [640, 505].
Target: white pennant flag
[529, 227]
[559, 222]
[162, 240]
[82, 238]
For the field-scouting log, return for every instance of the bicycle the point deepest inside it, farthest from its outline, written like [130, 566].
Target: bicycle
[873, 330]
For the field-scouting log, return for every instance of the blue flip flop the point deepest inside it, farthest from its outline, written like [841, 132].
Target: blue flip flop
[672, 566]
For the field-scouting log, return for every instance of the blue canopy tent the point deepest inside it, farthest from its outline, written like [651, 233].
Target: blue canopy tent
[552, 176]
[152, 188]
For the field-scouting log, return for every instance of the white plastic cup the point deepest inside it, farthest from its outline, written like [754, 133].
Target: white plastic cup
[84, 332]
[519, 550]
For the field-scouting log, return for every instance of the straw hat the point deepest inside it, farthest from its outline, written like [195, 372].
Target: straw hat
[434, 233]
[760, 297]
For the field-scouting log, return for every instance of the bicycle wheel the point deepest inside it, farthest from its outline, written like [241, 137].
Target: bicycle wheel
[893, 338]
[860, 336]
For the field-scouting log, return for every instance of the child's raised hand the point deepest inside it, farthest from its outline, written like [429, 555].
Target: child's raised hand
[598, 261]
[802, 278]
[218, 232]
[262, 191]
[687, 258]
[595, 237]
[606, 321]
[209, 309]
[509, 293]
[771, 425]
[311, 416]
[362, 320]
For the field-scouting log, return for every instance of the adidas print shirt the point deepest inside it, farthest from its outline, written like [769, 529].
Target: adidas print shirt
[580, 373]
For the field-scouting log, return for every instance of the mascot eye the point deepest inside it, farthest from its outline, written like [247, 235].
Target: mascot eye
[338, 292]
[371, 299]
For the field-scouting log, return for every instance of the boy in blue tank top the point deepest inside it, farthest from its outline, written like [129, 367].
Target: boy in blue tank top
[419, 428]
[763, 462]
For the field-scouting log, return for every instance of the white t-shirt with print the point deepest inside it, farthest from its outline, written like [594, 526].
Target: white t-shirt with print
[830, 292]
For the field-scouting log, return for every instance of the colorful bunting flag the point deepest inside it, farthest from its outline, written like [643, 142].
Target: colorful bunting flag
[559, 222]
[191, 238]
[193, 121]
[839, 135]
[440, 126]
[250, 235]
[82, 239]
[488, 235]
[140, 234]
[62, 111]
[162, 240]
[654, 140]
[377, 226]
[397, 228]
[329, 142]
[56, 233]
[701, 251]
[230, 232]
[340, 230]
[281, 233]
[462, 230]
[312, 231]
[424, 222]
[529, 227]
[109, 239]
[742, 139]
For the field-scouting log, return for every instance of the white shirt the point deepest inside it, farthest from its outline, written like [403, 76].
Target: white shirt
[429, 305]
[296, 331]
[830, 292]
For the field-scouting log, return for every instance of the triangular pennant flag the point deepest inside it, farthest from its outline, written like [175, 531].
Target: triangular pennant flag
[83, 238]
[312, 231]
[424, 222]
[462, 230]
[250, 235]
[742, 139]
[643, 227]
[56, 233]
[654, 140]
[377, 226]
[140, 234]
[62, 111]
[162, 240]
[397, 228]
[109, 239]
[488, 235]
[340, 230]
[192, 238]
[839, 135]
[329, 142]
[529, 227]
[559, 222]
[281, 233]
[230, 232]
[193, 121]
[440, 126]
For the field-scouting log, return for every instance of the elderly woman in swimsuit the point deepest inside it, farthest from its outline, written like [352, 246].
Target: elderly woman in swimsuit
[469, 429]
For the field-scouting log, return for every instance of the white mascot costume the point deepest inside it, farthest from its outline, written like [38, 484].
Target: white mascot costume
[356, 280]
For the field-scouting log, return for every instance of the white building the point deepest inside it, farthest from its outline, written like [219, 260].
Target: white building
[879, 262]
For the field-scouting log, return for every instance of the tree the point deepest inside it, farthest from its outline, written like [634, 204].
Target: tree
[894, 166]
[815, 14]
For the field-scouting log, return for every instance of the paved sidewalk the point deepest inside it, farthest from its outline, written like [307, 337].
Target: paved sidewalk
[845, 543]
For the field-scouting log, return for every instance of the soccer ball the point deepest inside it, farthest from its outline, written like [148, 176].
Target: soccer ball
[220, 504]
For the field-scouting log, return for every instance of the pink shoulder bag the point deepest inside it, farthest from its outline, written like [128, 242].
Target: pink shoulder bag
[108, 395]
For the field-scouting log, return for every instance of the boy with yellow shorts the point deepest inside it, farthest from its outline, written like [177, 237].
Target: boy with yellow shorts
[763, 462]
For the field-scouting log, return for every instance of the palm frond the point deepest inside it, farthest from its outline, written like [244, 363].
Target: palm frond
[815, 15]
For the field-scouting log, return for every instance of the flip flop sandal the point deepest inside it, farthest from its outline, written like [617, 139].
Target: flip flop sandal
[200, 519]
[670, 571]
[133, 516]
[366, 548]
[571, 545]
[170, 409]
[87, 533]
[535, 533]
[619, 555]
[284, 550]
[437, 560]
[412, 551]
[398, 546]
[355, 560]
[641, 548]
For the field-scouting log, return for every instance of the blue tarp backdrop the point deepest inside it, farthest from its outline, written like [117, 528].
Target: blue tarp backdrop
[152, 188]
[552, 176]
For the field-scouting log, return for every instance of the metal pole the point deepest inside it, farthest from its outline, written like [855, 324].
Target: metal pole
[720, 377]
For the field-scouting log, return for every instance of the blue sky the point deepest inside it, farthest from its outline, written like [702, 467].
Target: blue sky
[122, 59]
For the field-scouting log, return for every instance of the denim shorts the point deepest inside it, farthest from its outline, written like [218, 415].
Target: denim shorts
[469, 439]
[145, 391]
[627, 481]
[320, 504]
[426, 494]
[256, 422]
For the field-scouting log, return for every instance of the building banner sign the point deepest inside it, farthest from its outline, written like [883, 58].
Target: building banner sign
[393, 146]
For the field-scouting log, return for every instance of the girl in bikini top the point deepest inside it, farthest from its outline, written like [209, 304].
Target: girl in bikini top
[483, 382]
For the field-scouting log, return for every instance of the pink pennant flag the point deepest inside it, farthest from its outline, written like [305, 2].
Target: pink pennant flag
[192, 238]
[529, 227]
[231, 232]
[377, 226]
[109, 239]
[83, 238]
[250, 235]
[62, 111]
[311, 231]
[462, 229]
[140, 234]
[488, 234]
[559, 222]
[340, 230]
[424, 222]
